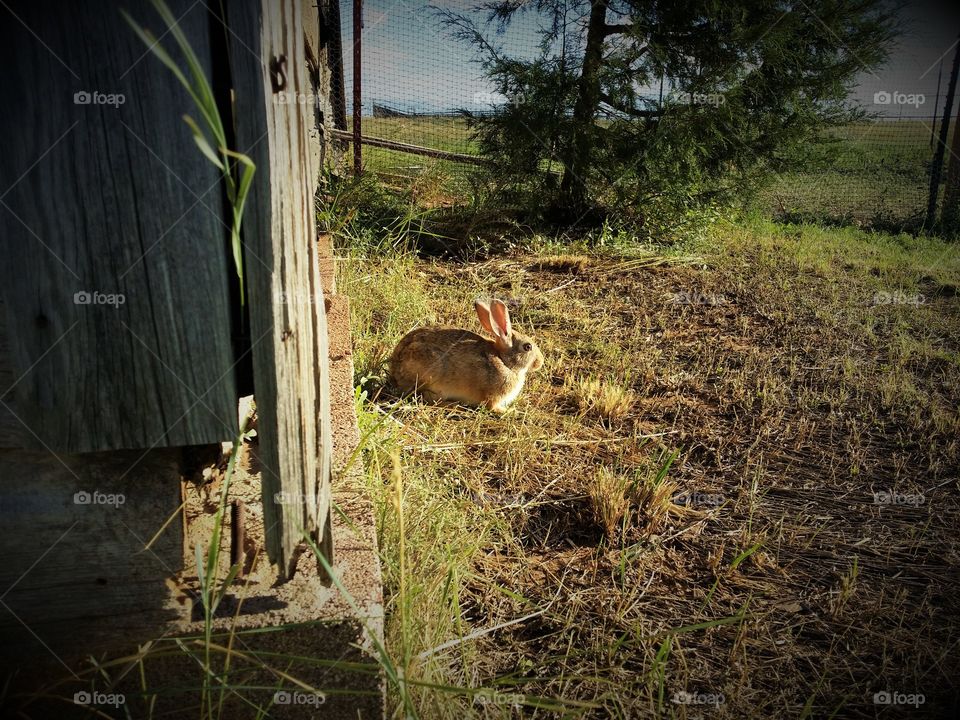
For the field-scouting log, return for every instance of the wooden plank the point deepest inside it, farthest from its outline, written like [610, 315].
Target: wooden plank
[319, 82]
[11, 430]
[331, 44]
[320, 38]
[288, 324]
[75, 574]
[115, 273]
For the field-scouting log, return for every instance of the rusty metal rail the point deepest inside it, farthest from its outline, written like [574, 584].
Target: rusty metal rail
[412, 149]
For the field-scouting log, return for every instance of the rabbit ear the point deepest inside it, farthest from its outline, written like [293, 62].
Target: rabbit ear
[483, 312]
[501, 319]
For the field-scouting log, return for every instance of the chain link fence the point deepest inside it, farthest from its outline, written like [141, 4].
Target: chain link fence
[416, 80]
[879, 172]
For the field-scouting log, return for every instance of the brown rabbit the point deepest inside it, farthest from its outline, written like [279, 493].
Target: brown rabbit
[445, 363]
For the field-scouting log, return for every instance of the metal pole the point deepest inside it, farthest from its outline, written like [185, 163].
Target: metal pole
[357, 108]
[937, 170]
[950, 207]
[936, 104]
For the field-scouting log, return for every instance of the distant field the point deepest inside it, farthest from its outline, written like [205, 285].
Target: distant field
[446, 178]
[881, 171]
[440, 133]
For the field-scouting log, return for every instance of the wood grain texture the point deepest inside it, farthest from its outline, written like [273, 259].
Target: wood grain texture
[112, 199]
[10, 428]
[75, 575]
[321, 22]
[287, 320]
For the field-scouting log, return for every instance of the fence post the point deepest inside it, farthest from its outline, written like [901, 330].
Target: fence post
[936, 104]
[334, 46]
[936, 170]
[357, 108]
[291, 359]
[950, 207]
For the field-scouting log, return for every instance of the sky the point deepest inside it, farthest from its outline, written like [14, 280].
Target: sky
[928, 39]
[410, 62]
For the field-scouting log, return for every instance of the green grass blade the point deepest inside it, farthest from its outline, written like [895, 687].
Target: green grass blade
[202, 143]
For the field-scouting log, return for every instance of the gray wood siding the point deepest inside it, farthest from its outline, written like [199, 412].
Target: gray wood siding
[116, 200]
[288, 322]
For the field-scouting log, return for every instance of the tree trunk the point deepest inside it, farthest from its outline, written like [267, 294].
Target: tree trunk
[576, 161]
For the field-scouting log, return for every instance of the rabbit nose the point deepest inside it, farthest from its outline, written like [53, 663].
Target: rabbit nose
[537, 361]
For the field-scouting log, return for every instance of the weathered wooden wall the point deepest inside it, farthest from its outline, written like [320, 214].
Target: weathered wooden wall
[76, 576]
[106, 193]
[325, 58]
[287, 317]
[115, 198]
[112, 199]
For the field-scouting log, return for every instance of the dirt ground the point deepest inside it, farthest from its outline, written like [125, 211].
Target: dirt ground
[798, 557]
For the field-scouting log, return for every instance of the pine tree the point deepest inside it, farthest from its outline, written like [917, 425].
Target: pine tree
[744, 87]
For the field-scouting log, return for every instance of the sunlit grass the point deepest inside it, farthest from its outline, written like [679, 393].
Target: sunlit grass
[641, 402]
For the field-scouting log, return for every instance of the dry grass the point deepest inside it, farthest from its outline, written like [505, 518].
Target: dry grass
[608, 400]
[581, 566]
[564, 263]
[608, 496]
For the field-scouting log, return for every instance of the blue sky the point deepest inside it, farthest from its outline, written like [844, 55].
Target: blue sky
[411, 62]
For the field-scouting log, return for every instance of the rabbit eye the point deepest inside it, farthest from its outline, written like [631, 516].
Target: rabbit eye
[527, 347]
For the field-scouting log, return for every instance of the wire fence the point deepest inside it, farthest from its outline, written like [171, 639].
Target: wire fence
[416, 80]
[880, 175]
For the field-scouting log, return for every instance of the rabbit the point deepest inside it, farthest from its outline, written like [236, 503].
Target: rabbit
[445, 363]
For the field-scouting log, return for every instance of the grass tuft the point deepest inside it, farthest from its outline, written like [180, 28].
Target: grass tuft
[562, 263]
[608, 496]
[605, 399]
